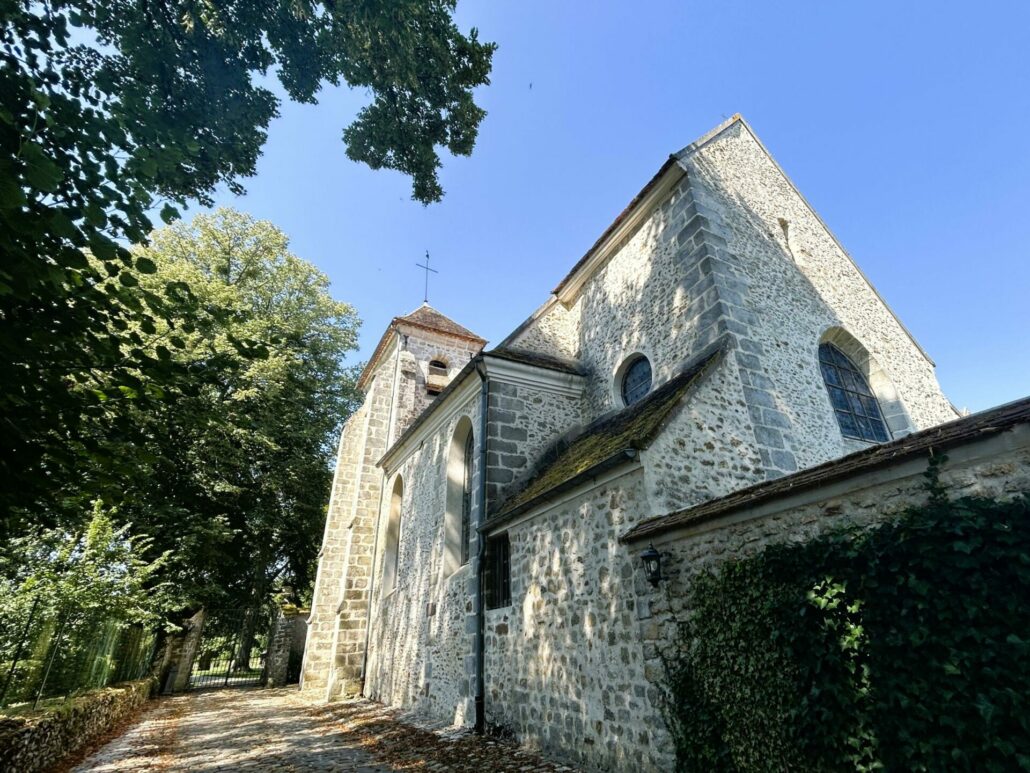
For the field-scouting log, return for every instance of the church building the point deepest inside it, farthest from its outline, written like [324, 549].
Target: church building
[481, 560]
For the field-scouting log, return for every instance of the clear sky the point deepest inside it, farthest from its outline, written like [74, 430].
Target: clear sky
[905, 124]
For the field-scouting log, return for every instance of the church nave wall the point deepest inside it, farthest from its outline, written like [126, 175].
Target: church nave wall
[419, 640]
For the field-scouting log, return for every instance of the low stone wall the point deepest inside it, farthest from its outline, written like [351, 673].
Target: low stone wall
[38, 742]
[995, 467]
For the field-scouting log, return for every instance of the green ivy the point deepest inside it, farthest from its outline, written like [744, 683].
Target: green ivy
[901, 647]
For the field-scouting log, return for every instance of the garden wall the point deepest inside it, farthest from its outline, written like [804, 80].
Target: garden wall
[40, 741]
[769, 554]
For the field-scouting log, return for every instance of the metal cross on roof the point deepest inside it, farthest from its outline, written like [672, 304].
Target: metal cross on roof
[425, 299]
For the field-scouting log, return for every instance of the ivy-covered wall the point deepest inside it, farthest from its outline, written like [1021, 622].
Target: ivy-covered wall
[904, 646]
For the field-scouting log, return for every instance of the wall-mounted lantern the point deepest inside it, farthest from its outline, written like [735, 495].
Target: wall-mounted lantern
[652, 565]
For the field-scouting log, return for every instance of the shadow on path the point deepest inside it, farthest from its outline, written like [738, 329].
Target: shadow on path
[222, 730]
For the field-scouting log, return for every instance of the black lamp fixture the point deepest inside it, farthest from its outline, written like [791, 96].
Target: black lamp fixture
[652, 565]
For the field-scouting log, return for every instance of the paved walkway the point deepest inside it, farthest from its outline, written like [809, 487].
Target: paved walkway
[268, 731]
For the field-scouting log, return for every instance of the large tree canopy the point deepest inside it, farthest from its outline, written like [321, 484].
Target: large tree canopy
[109, 109]
[232, 479]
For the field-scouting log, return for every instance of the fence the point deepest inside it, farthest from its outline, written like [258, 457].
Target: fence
[46, 656]
[233, 649]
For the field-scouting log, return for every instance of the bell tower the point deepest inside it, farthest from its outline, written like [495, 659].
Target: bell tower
[414, 361]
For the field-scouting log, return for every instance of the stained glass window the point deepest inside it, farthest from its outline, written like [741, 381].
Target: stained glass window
[636, 381]
[854, 404]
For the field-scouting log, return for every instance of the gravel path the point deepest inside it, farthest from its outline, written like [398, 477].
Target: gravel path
[268, 731]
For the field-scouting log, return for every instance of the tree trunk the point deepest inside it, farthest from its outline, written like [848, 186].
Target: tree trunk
[247, 637]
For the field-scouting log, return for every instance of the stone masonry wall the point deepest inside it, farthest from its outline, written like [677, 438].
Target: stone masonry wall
[639, 301]
[334, 652]
[419, 640]
[573, 665]
[554, 332]
[734, 250]
[40, 742]
[670, 290]
[523, 423]
[423, 346]
[799, 283]
[332, 558]
[285, 640]
[564, 664]
[705, 450]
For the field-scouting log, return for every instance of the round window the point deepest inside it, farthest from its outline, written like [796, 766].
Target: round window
[636, 380]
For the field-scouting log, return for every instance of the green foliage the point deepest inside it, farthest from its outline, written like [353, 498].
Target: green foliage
[232, 478]
[902, 647]
[98, 574]
[74, 607]
[109, 110]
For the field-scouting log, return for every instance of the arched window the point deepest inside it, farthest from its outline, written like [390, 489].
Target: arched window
[458, 515]
[857, 410]
[391, 552]
[635, 379]
[466, 500]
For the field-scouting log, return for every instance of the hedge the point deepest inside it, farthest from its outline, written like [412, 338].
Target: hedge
[904, 647]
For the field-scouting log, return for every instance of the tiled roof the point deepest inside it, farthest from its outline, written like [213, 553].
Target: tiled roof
[425, 317]
[952, 433]
[610, 439]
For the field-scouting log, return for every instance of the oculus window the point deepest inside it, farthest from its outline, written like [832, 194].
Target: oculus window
[636, 380]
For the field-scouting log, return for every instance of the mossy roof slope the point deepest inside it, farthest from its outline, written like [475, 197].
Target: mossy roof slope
[609, 438]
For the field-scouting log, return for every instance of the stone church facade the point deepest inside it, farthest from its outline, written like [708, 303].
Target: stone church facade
[481, 553]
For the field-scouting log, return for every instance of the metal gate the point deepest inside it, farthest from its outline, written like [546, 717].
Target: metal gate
[233, 649]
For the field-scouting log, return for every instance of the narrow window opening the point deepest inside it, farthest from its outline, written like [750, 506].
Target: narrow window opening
[436, 378]
[466, 500]
[498, 572]
[391, 557]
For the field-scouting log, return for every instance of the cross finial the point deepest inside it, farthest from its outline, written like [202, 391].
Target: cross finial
[425, 299]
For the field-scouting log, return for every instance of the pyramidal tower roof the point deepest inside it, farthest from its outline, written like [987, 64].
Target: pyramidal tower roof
[425, 317]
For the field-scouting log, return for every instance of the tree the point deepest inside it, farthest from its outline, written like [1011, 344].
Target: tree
[110, 109]
[67, 597]
[233, 479]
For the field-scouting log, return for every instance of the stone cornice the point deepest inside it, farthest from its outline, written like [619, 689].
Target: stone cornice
[604, 248]
[505, 371]
[454, 397]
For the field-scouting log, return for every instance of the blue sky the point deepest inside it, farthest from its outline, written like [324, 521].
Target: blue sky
[904, 124]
